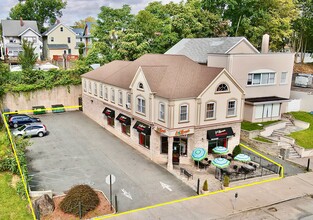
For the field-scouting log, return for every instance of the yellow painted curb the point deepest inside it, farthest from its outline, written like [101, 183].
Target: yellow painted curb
[207, 194]
[14, 150]
[147, 207]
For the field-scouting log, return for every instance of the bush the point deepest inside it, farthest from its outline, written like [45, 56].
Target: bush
[236, 151]
[205, 186]
[226, 181]
[81, 193]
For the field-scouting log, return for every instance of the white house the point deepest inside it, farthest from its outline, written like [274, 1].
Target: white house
[15, 31]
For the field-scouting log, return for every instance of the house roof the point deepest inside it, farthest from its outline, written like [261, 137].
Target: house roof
[170, 76]
[78, 31]
[57, 46]
[53, 27]
[13, 27]
[198, 49]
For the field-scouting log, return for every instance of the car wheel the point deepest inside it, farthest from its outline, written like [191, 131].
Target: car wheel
[40, 134]
[15, 125]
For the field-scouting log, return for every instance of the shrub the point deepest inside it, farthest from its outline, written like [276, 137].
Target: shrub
[81, 193]
[236, 151]
[226, 181]
[205, 186]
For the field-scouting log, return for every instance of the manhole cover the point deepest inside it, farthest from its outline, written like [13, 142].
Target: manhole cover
[272, 209]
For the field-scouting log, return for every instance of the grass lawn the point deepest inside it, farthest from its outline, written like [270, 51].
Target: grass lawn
[249, 126]
[303, 138]
[262, 139]
[11, 205]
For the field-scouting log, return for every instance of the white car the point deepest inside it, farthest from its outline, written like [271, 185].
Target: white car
[29, 130]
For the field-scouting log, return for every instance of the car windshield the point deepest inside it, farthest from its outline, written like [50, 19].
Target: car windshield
[22, 128]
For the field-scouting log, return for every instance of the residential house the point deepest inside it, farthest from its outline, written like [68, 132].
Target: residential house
[14, 32]
[265, 77]
[165, 105]
[58, 40]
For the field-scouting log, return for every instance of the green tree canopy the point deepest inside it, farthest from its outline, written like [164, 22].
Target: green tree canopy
[81, 23]
[42, 11]
[28, 57]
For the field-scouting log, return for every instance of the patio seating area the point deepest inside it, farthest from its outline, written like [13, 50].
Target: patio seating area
[252, 167]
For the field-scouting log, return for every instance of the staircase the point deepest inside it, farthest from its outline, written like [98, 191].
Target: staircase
[293, 153]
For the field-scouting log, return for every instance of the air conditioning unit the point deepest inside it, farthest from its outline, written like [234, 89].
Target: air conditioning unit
[128, 105]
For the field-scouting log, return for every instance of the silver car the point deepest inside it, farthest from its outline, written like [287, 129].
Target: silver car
[32, 129]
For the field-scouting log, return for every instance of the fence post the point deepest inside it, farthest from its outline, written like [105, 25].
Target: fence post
[80, 210]
[198, 186]
[308, 166]
[116, 203]
[37, 211]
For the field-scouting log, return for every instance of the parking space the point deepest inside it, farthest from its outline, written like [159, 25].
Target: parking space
[77, 151]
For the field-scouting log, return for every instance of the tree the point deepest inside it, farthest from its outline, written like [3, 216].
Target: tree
[254, 18]
[42, 11]
[112, 19]
[303, 26]
[81, 47]
[28, 57]
[82, 23]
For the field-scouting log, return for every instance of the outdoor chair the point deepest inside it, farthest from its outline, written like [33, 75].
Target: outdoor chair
[235, 167]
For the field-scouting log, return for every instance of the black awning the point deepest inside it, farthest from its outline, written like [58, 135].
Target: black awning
[109, 112]
[123, 119]
[220, 133]
[141, 127]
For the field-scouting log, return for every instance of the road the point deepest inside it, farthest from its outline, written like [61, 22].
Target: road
[79, 151]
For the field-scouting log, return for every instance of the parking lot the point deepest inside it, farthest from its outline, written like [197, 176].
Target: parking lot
[79, 151]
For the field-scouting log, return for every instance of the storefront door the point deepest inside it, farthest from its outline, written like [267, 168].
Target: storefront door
[176, 152]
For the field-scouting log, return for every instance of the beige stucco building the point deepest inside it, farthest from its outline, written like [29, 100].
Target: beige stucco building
[58, 40]
[265, 77]
[165, 105]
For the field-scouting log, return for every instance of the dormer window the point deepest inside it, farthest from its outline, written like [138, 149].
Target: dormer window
[140, 86]
[222, 88]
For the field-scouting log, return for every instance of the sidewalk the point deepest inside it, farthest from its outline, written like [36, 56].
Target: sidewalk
[221, 205]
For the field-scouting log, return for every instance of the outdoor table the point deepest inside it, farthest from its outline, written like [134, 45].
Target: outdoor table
[248, 167]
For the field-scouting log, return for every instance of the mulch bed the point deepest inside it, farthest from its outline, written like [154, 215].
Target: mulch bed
[102, 209]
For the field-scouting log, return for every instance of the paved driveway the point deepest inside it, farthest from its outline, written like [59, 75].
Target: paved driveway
[78, 150]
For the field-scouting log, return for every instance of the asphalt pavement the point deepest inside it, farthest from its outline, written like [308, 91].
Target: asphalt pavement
[79, 151]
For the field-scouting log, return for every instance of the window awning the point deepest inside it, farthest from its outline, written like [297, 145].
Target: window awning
[220, 133]
[143, 128]
[109, 112]
[123, 119]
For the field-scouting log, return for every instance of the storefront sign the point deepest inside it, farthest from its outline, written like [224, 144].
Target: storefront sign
[123, 119]
[160, 130]
[182, 132]
[220, 133]
[109, 112]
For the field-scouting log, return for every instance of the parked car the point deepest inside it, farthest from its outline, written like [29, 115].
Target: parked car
[29, 130]
[21, 119]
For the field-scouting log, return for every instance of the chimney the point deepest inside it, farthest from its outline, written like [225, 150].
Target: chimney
[265, 43]
[21, 22]
[58, 21]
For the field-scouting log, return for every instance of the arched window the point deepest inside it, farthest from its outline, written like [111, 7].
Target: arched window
[140, 86]
[222, 88]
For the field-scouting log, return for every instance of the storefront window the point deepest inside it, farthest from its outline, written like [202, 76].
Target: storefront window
[181, 144]
[164, 145]
[110, 121]
[215, 143]
[144, 140]
[126, 129]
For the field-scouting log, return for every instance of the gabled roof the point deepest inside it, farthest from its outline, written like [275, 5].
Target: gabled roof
[170, 76]
[29, 29]
[198, 49]
[55, 26]
[12, 28]
[78, 31]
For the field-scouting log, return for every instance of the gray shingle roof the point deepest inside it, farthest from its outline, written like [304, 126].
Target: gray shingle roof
[198, 49]
[13, 28]
[170, 76]
[57, 46]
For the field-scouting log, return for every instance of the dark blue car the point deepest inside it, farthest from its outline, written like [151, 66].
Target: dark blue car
[21, 119]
